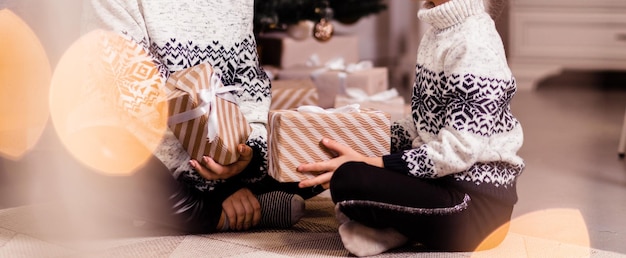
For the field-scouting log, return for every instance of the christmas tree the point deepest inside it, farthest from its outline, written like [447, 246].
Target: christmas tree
[278, 14]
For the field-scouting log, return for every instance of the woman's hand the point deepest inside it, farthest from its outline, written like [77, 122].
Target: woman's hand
[328, 167]
[242, 209]
[214, 171]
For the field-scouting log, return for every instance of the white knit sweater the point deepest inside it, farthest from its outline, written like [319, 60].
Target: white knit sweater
[184, 33]
[461, 124]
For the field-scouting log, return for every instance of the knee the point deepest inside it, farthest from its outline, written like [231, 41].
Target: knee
[345, 174]
[345, 179]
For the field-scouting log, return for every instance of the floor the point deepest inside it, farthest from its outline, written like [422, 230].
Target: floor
[573, 190]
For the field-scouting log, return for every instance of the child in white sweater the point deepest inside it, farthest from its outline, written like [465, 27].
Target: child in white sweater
[181, 34]
[450, 179]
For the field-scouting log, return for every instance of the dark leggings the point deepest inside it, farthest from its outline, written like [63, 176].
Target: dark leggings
[431, 212]
[151, 194]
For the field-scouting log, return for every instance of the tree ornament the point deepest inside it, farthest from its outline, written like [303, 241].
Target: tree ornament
[323, 30]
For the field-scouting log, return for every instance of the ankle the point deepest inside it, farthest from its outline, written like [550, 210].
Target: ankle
[280, 209]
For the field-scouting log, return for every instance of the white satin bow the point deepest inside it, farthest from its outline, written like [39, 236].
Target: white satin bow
[352, 108]
[207, 98]
[338, 64]
[360, 95]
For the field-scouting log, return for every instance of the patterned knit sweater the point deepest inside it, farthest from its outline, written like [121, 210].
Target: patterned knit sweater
[184, 33]
[461, 128]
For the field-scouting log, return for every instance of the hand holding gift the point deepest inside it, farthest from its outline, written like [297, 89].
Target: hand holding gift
[214, 170]
[325, 169]
[294, 136]
[204, 116]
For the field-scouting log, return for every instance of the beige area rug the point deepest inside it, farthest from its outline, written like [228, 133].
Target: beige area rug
[43, 230]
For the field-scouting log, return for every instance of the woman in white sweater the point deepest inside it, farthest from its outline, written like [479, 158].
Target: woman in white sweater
[181, 34]
[450, 179]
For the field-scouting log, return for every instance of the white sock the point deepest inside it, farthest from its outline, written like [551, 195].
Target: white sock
[361, 240]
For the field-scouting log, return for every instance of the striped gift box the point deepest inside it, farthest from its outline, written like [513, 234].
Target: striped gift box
[288, 94]
[294, 138]
[230, 124]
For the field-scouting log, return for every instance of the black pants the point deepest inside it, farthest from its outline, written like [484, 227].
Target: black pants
[152, 194]
[431, 212]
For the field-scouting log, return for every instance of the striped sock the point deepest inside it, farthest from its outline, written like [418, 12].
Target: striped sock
[280, 209]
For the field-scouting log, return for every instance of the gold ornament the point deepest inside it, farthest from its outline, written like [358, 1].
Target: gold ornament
[323, 30]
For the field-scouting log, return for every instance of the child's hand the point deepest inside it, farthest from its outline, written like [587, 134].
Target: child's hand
[214, 171]
[242, 209]
[328, 167]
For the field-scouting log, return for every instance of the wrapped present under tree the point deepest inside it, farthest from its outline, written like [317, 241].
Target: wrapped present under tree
[335, 77]
[288, 94]
[387, 101]
[280, 50]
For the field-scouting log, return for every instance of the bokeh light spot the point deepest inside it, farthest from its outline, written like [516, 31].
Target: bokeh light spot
[24, 79]
[555, 232]
[108, 103]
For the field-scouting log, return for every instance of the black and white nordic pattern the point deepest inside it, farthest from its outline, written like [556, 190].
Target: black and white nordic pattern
[193, 178]
[259, 147]
[469, 103]
[400, 138]
[238, 64]
[464, 102]
[499, 174]
[419, 164]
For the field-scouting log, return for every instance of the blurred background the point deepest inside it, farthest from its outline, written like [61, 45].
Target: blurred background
[569, 57]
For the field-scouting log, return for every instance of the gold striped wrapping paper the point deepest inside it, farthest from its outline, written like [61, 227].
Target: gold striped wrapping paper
[329, 83]
[288, 94]
[233, 128]
[294, 138]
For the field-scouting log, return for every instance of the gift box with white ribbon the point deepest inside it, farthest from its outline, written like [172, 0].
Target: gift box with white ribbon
[204, 115]
[295, 135]
[281, 50]
[335, 76]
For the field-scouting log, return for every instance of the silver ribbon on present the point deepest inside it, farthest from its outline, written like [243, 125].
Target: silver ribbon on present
[339, 65]
[352, 108]
[207, 98]
[359, 95]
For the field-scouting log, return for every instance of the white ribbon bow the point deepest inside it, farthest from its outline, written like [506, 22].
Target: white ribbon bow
[337, 64]
[360, 95]
[352, 108]
[207, 98]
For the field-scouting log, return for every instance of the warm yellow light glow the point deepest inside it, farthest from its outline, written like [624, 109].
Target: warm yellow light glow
[24, 79]
[107, 102]
[548, 233]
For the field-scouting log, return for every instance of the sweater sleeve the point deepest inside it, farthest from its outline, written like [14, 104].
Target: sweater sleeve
[476, 108]
[403, 133]
[115, 15]
[254, 102]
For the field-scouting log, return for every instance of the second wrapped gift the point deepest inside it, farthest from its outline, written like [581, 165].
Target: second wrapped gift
[294, 136]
